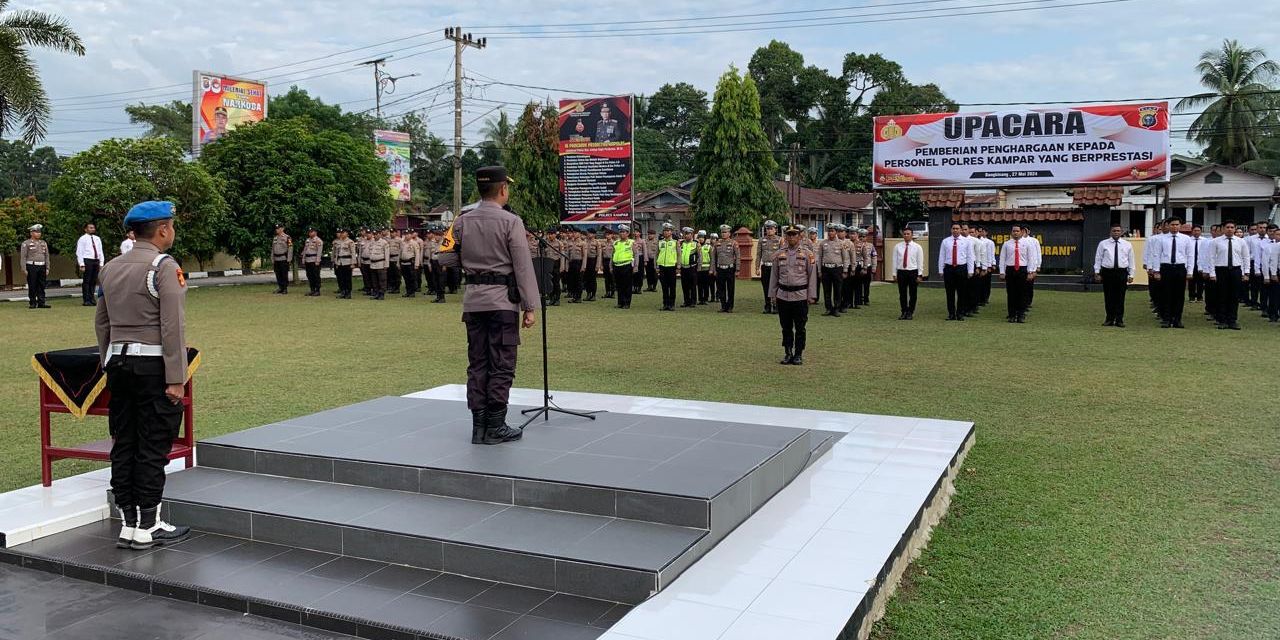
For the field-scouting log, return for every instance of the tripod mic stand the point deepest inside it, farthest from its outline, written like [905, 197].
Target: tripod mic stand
[547, 406]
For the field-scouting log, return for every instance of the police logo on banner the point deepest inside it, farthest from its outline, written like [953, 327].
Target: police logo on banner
[1148, 117]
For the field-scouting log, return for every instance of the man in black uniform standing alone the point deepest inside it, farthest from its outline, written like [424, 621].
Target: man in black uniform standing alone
[490, 244]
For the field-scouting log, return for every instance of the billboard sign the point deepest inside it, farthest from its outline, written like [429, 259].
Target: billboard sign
[595, 160]
[1095, 144]
[221, 103]
[393, 148]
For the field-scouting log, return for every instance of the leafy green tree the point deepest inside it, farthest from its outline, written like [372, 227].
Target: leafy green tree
[656, 166]
[786, 90]
[1268, 160]
[679, 111]
[535, 165]
[287, 172]
[171, 121]
[297, 103]
[25, 171]
[1239, 99]
[735, 160]
[101, 184]
[24, 106]
[16, 217]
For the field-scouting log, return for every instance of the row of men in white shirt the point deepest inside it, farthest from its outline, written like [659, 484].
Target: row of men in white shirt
[1228, 246]
[966, 260]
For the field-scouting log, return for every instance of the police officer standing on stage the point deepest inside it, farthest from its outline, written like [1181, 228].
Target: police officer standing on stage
[312, 253]
[34, 256]
[1113, 265]
[489, 243]
[793, 286]
[727, 256]
[140, 325]
[344, 260]
[281, 256]
[667, 256]
[766, 247]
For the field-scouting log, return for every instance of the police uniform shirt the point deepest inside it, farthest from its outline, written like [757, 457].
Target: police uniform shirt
[793, 268]
[140, 307]
[344, 252]
[766, 248]
[1018, 253]
[1173, 248]
[282, 248]
[34, 252]
[1114, 254]
[642, 249]
[411, 253]
[577, 250]
[1230, 249]
[862, 256]
[963, 252]
[312, 250]
[393, 248]
[378, 254]
[496, 247]
[831, 253]
[607, 131]
[726, 253]
[913, 254]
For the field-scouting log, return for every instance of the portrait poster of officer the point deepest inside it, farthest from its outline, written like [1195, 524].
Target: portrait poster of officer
[596, 120]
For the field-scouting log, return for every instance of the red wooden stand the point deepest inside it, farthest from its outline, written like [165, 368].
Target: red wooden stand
[183, 447]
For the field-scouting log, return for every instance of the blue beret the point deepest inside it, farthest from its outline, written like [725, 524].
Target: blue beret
[149, 211]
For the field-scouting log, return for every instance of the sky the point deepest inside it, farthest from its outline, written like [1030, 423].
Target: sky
[145, 50]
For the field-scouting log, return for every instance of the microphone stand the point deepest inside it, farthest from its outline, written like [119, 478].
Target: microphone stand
[548, 406]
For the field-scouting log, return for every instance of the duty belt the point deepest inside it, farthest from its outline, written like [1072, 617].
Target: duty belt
[489, 278]
[35, 264]
[831, 265]
[767, 264]
[279, 255]
[793, 287]
[308, 255]
[132, 349]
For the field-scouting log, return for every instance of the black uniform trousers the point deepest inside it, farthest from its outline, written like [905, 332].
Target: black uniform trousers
[393, 274]
[589, 278]
[706, 284]
[866, 286]
[667, 276]
[726, 278]
[366, 278]
[849, 291]
[651, 273]
[574, 280]
[766, 272]
[1115, 283]
[452, 279]
[35, 283]
[1228, 286]
[622, 274]
[554, 294]
[970, 295]
[1015, 284]
[793, 315]
[410, 275]
[1255, 289]
[379, 285]
[313, 276]
[1173, 284]
[89, 284]
[955, 278]
[689, 285]
[637, 278]
[492, 340]
[143, 422]
[832, 278]
[343, 274]
[1273, 301]
[986, 288]
[1031, 295]
[1211, 297]
[608, 277]
[1196, 289]
[908, 283]
[281, 267]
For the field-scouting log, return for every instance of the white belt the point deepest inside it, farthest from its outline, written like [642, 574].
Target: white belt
[35, 264]
[132, 349]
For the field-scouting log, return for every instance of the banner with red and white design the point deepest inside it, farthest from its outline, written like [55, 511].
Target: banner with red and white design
[595, 160]
[1096, 144]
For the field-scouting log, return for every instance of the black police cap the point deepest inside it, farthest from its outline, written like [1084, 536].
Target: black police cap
[492, 175]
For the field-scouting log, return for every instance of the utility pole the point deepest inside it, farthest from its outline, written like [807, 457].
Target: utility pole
[383, 82]
[460, 41]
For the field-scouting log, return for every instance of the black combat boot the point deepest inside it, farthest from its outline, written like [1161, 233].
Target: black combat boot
[478, 425]
[498, 431]
[786, 359]
[798, 358]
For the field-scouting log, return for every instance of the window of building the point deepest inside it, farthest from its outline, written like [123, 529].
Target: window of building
[1213, 178]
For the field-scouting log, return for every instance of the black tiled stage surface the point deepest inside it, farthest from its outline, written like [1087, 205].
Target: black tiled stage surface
[621, 451]
[327, 587]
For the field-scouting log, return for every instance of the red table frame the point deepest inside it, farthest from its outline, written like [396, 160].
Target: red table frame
[183, 446]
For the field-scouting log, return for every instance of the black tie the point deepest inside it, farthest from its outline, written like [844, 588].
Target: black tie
[1197, 258]
[1173, 251]
[1116, 251]
[1229, 260]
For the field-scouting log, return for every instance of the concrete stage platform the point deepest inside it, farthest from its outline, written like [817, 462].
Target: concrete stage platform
[380, 519]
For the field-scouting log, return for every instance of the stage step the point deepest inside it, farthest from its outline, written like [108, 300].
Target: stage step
[355, 596]
[588, 555]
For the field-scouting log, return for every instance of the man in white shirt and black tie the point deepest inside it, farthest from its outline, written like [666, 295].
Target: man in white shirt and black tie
[1035, 257]
[1273, 274]
[1173, 254]
[89, 259]
[955, 263]
[1113, 267]
[1229, 258]
[1257, 250]
[1017, 268]
[126, 245]
[908, 262]
[1199, 276]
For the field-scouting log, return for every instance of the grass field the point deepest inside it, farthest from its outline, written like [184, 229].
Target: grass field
[1124, 483]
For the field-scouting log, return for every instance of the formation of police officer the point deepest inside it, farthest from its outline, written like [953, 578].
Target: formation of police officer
[140, 326]
[33, 255]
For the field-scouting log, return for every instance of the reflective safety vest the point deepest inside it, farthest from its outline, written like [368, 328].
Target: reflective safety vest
[622, 251]
[686, 254]
[666, 253]
[706, 254]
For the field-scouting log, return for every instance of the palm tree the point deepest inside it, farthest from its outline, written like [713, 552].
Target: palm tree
[1238, 103]
[23, 103]
[496, 134]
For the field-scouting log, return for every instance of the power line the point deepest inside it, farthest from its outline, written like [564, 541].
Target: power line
[703, 18]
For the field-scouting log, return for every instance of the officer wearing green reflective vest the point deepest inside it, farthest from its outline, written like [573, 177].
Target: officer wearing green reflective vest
[624, 263]
[666, 262]
[689, 256]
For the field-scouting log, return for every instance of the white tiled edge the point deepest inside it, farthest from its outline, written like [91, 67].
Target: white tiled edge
[37, 511]
[800, 566]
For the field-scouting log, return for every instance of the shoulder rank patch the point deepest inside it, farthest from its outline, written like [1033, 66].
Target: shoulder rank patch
[182, 277]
